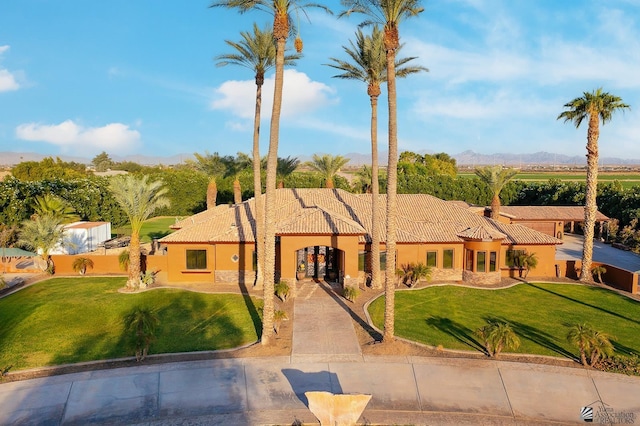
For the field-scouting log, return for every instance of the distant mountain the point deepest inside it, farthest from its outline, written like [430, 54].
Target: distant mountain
[466, 158]
[471, 158]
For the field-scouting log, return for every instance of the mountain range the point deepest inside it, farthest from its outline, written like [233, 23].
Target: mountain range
[465, 158]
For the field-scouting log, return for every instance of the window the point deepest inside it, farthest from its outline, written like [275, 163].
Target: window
[512, 257]
[492, 261]
[432, 259]
[468, 263]
[196, 259]
[364, 260]
[447, 259]
[362, 256]
[254, 261]
[481, 265]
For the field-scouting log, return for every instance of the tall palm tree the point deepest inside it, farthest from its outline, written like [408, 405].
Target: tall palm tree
[281, 11]
[286, 166]
[388, 13]
[593, 106]
[42, 234]
[328, 166]
[257, 52]
[369, 64]
[495, 177]
[138, 198]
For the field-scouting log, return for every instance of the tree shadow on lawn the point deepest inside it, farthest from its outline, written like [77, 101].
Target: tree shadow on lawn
[536, 336]
[615, 314]
[456, 330]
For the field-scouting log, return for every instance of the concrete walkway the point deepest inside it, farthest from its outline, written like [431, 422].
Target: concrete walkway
[325, 356]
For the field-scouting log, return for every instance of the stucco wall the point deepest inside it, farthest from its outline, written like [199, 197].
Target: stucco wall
[546, 260]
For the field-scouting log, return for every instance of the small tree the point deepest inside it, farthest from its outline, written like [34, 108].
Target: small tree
[411, 273]
[123, 260]
[592, 344]
[278, 317]
[282, 290]
[142, 323]
[81, 264]
[42, 234]
[597, 271]
[497, 336]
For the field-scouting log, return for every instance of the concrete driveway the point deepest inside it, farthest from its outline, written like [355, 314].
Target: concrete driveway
[572, 250]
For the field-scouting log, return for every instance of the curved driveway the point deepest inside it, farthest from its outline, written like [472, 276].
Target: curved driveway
[571, 249]
[253, 391]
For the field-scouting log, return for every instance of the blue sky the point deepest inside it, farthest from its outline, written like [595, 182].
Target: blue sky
[78, 77]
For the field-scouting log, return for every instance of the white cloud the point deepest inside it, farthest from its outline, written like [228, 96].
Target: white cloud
[115, 137]
[301, 96]
[8, 80]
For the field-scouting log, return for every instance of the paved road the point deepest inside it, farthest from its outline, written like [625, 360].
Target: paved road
[256, 391]
[572, 250]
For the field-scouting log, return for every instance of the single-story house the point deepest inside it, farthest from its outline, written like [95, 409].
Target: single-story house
[327, 232]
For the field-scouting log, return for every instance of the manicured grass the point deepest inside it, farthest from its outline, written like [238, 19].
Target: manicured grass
[69, 320]
[156, 227]
[538, 313]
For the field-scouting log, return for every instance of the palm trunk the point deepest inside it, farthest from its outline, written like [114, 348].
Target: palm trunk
[392, 183]
[270, 192]
[212, 193]
[375, 195]
[134, 260]
[495, 206]
[590, 207]
[257, 187]
[329, 183]
[237, 192]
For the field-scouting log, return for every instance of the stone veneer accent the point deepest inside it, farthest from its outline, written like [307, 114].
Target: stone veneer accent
[481, 278]
[245, 277]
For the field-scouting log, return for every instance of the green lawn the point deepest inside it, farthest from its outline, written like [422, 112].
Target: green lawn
[69, 320]
[156, 227]
[539, 314]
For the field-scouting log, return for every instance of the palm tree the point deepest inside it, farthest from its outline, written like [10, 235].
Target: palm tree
[51, 205]
[42, 234]
[370, 66]
[142, 323]
[527, 262]
[81, 264]
[389, 13]
[328, 166]
[598, 271]
[594, 106]
[286, 166]
[138, 198]
[497, 336]
[257, 52]
[592, 344]
[281, 10]
[495, 177]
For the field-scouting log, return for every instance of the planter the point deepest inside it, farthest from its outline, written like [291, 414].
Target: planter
[300, 275]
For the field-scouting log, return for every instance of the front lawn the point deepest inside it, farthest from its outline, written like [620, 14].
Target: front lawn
[539, 314]
[69, 320]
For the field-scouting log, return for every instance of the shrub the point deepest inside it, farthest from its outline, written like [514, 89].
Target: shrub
[282, 290]
[147, 278]
[629, 365]
[123, 260]
[593, 344]
[350, 293]
[278, 317]
[597, 271]
[410, 273]
[497, 336]
[142, 324]
[81, 264]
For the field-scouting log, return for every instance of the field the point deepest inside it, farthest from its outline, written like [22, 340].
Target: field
[627, 180]
[156, 227]
[540, 314]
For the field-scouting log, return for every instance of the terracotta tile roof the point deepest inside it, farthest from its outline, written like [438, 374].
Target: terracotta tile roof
[421, 218]
[481, 233]
[555, 213]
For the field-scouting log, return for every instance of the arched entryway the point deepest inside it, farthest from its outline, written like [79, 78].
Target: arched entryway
[320, 263]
